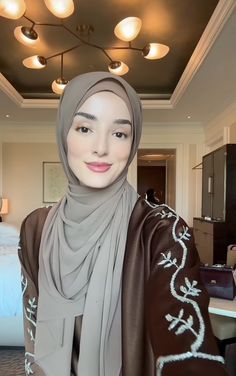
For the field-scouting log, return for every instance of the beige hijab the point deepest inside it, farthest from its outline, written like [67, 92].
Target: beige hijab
[82, 251]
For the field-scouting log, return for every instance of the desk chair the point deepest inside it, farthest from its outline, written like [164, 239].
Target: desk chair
[224, 328]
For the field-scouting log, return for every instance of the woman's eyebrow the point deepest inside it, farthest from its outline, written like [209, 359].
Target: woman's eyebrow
[122, 121]
[86, 115]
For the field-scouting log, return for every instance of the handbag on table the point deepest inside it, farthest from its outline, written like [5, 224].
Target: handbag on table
[219, 281]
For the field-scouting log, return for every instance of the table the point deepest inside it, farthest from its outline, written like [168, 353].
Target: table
[222, 307]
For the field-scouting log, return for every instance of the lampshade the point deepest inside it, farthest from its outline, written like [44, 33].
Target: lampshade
[154, 51]
[26, 36]
[59, 85]
[12, 9]
[60, 8]
[4, 206]
[128, 28]
[118, 67]
[35, 62]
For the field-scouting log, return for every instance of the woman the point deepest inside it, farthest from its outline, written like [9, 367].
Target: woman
[110, 281]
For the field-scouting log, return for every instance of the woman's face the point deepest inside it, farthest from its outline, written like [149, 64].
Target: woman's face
[99, 140]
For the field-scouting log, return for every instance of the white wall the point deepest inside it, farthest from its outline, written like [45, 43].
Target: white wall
[22, 176]
[25, 148]
[222, 129]
[170, 181]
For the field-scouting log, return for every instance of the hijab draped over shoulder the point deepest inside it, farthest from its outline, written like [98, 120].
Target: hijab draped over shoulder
[82, 250]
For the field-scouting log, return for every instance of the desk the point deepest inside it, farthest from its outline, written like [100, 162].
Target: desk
[222, 307]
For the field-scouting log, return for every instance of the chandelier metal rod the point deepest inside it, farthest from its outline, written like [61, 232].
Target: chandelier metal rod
[103, 49]
[42, 23]
[63, 52]
[62, 66]
[87, 43]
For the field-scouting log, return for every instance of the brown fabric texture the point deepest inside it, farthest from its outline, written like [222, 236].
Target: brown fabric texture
[147, 298]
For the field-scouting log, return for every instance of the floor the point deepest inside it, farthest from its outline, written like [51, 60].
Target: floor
[12, 361]
[230, 359]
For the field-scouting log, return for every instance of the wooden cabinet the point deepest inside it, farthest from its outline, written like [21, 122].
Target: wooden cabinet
[218, 183]
[207, 185]
[210, 240]
[216, 229]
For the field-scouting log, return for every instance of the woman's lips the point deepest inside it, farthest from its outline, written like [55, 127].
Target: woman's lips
[98, 167]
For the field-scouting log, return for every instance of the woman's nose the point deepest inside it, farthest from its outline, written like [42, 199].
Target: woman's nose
[100, 146]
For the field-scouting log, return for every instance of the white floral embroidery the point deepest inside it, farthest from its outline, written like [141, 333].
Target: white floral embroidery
[30, 311]
[28, 368]
[167, 261]
[30, 315]
[181, 323]
[23, 283]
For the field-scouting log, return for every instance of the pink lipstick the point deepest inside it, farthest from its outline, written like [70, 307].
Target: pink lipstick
[98, 166]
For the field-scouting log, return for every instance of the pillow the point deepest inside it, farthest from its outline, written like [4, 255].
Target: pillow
[9, 235]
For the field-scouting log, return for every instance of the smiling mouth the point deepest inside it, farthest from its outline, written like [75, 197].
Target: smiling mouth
[98, 166]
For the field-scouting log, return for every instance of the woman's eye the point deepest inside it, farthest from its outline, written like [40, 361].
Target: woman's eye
[82, 129]
[120, 135]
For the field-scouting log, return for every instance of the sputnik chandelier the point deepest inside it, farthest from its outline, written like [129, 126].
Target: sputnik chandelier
[126, 30]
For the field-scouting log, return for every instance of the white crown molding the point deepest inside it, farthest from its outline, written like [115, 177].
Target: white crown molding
[10, 91]
[39, 103]
[155, 104]
[212, 30]
[218, 19]
[224, 119]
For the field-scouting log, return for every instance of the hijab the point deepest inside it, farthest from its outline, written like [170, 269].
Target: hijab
[82, 251]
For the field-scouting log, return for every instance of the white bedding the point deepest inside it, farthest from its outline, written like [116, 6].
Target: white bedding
[10, 274]
[10, 285]
[11, 311]
[9, 235]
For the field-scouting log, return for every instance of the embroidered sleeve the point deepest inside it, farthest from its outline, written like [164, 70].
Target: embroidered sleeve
[29, 309]
[30, 301]
[29, 312]
[177, 302]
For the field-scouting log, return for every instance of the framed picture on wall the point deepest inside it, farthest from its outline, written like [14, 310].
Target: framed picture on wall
[54, 182]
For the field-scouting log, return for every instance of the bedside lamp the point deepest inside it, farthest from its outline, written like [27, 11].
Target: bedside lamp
[3, 207]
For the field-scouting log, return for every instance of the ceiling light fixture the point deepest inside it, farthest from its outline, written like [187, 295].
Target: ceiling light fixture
[26, 35]
[126, 30]
[60, 83]
[35, 62]
[118, 67]
[154, 51]
[60, 8]
[12, 9]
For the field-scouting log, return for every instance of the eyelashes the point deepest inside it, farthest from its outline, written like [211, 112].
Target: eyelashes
[82, 129]
[121, 135]
[85, 130]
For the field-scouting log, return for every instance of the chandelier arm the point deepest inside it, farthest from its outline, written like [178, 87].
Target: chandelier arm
[103, 49]
[62, 65]
[73, 33]
[41, 23]
[63, 52]
[123, 48]
[27, 18]
[105, 53]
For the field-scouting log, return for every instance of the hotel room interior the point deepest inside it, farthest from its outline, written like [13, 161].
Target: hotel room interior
[188, 94]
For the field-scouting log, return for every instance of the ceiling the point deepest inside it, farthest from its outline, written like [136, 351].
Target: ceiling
[198, 32]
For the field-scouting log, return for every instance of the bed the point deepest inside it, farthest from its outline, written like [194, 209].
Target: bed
[11, 311]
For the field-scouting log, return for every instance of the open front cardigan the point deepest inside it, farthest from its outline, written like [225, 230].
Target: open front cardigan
[166, 329]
